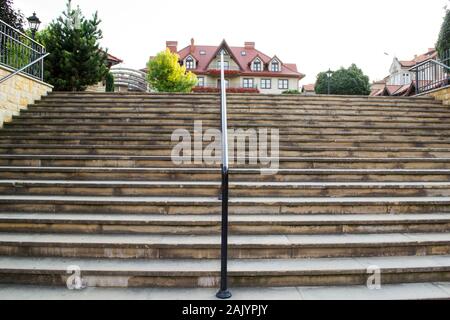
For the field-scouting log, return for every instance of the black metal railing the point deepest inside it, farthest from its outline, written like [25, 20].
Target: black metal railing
[432, 74]
[20, 52]
[224, 293]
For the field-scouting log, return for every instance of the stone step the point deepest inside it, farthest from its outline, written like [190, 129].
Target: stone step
[238, 123]
[244, 117]
[163, 106]
[116, 161]
[211, 224]
[276, 101]
[157, 247]
[127, 110]
[400, 291]
[155, 134]
[167, 141]
[212, 189]
[211, 205]
[213, 174]
[186, 273]
[285, 151]
[124, 130]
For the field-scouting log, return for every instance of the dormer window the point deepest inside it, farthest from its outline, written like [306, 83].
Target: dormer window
[243, 53]
[190, 63]
[257, 65]
[275, 66]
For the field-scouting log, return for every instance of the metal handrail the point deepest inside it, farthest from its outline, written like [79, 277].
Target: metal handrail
[224, 293]
[432, 74]
[17, 49]
[443, 65]
[23, 68]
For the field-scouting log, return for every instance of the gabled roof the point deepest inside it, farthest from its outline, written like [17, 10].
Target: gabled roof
[243, 61]
[430, 54]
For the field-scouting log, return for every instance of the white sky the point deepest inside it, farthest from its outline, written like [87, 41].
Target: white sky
[315, 34]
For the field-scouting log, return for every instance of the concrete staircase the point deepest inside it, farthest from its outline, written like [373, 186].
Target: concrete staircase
[87, 180]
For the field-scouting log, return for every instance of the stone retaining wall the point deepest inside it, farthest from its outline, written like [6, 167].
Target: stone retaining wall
[442, 94]
[18, 92]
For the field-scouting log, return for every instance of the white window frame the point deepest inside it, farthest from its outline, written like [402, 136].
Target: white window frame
[281, 84]
[264, 83]
[201, 82]
[273, 63]
[189, 59]
[248, 83]
[255, 63]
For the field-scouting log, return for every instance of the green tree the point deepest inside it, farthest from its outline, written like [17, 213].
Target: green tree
[109, 82]
[165, 74]
[351, 81]
[443, 43]
[76, 59]
[10, 16]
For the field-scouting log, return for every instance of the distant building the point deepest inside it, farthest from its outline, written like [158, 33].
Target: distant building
[309, 89]
[401, 81]
[246, 68]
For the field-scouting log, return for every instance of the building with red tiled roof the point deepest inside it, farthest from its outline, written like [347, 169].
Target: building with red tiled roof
[246, 67]
[401, 81]
[399, 71]
[309, 89]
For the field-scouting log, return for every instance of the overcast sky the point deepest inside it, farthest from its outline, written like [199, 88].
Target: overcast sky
[314, 34]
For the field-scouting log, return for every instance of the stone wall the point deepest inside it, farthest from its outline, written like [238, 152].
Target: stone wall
[99, 87]
[17, 93]
[442, 94]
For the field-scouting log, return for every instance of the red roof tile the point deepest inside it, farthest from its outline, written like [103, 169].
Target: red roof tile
[430, 54]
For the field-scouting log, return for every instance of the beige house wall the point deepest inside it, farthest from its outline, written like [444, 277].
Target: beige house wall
[18, 92]
[237, 82]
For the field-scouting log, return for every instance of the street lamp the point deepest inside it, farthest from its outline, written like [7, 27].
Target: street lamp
[329, 74]
[34, 23]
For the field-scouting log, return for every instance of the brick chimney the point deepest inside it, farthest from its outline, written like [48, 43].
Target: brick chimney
[172, 46]
[192, 45]
[249, 45]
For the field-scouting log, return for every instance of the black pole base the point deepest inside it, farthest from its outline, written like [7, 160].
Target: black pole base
[223, 294]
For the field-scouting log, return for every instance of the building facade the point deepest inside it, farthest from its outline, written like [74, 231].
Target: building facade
[246, 68]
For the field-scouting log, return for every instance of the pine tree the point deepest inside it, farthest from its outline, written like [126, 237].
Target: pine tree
[76, 59]
[443, 44]
[10, 16]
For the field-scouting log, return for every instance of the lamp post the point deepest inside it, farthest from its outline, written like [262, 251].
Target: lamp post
[34, 24]
[329, 74]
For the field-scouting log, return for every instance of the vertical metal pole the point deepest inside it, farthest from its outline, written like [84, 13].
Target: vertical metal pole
[224, 293]
[417, 81]
[329, 88]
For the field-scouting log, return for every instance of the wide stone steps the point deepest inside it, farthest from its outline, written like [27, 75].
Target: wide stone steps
[95, 223]
[88, 180]
[212, 188]
[213, 174]
[211, 205]
[154, 247]
[205, 274]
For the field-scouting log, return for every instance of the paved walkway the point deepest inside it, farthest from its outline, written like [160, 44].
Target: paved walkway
[388, 292]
